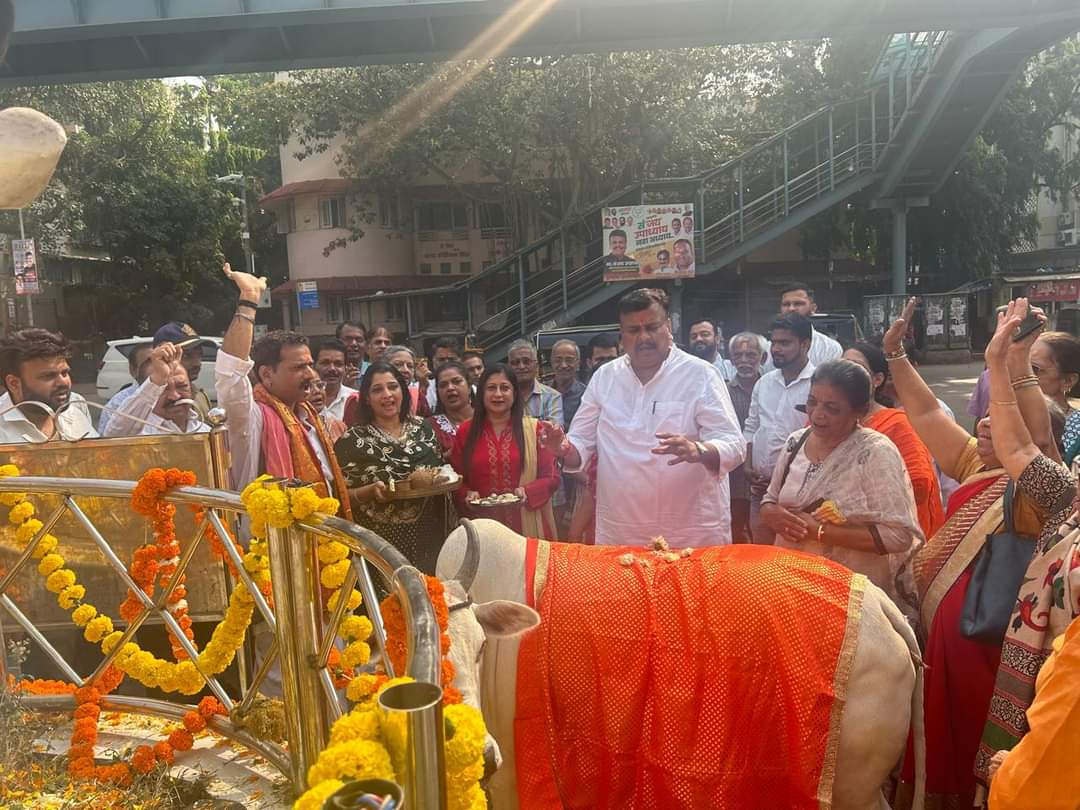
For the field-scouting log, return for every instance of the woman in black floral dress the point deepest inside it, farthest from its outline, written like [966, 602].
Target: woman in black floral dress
[387, 445]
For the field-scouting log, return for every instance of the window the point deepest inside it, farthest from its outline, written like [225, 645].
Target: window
[425, 269]
[465, 267]
[332, 212]
[388, 212]
[440, 216]
[444, 268]
[493, 224]
[395, 309]
[333, 313]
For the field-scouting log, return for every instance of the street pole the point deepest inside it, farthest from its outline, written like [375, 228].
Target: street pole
[29, 297]
[245, 231]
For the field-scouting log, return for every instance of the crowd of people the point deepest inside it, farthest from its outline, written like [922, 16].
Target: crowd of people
[785, 438]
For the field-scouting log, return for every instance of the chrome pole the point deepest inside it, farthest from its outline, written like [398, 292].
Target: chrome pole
[412, 725]
[296, 603]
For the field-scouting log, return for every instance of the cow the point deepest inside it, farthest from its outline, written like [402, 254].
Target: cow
[484, 563]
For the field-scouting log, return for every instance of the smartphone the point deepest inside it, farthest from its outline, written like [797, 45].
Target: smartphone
[1030, 324]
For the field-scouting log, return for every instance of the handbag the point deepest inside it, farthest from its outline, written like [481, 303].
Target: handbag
[996, 580]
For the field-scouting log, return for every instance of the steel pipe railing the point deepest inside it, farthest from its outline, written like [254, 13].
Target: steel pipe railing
[302, 636]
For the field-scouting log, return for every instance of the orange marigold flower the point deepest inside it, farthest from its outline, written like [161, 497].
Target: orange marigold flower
[210, 706]
[181, 739]
[194, 722]
[81, 768]
[144, 759]
[87, 710]
[164, 752]
[87, 694]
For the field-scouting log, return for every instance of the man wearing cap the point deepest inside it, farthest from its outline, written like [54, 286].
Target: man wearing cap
[182, 335]
[162, 402]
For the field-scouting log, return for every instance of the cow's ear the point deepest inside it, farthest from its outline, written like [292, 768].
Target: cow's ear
[502, 618]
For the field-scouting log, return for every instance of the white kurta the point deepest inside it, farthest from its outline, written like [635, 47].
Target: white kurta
[639, 496]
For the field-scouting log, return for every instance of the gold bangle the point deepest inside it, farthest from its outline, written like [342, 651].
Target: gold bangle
[1006, 402]
[1026, 378]
[897, 355]
[1020, 386]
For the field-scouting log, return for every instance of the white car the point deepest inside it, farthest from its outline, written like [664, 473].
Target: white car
[113, 373]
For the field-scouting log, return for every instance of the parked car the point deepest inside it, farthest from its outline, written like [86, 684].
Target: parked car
[113, 373]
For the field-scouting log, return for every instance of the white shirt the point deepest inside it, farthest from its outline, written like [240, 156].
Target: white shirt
[244, 419]
[726, 368]
[140, 405]
[773, 416]
[73, 423]
[822, 349]
[118, 399]
[337, 408]
[639, 495]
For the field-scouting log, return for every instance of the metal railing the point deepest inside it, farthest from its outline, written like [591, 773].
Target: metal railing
[303, 633]
[813, 163]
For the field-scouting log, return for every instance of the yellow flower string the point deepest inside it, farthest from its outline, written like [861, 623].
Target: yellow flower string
[366, 744]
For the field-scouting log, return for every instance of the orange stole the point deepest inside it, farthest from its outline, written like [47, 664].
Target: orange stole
[716, 681]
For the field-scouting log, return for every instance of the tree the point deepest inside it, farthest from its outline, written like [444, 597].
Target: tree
[137, 181]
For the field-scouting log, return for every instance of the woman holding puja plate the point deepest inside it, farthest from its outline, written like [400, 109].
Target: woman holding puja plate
[498, 453]
[389, 458]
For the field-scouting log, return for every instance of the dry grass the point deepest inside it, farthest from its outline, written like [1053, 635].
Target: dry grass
[35, 781]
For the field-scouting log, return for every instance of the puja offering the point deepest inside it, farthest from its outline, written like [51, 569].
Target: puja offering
[425, 482]
[492, 501]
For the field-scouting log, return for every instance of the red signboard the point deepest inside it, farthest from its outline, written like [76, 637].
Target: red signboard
[1055, 291]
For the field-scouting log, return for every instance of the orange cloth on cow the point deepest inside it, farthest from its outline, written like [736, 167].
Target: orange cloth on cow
[713, 681]
[894, 424]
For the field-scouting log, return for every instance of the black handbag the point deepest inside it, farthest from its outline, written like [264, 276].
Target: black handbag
[996, 580]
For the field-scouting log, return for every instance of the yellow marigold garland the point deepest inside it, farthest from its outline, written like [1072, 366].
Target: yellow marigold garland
[364, 744]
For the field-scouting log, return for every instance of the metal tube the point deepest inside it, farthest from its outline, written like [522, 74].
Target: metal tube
[832, 154]
[521, 294]
[562, 254]
[412, 723]
[238, 563]
[39, 639]
[296, 602]
[161, 708]
[244, 706]
[787, 180]
[699, 216]
[739, 180]
[28, 552]
[873, 127]
[335, 618]
[367, 591]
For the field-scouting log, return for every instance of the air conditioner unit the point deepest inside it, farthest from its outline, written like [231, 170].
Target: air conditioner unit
[1066, 220]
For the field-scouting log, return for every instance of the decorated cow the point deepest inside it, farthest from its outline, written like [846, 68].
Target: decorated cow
[728, 677]
[30, 143]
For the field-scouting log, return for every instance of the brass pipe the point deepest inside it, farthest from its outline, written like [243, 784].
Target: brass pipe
[260, 675]
[335, 619]
[238, 563]
[28, 552]
[40, 639]
[296, 602]
[412, 723]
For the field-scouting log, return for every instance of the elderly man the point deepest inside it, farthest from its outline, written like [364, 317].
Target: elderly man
[137, 368]
[162, 403]
[661, 424]
[748, 352]
[182, 335]
[566, 362]
[541, 401]
[34, 367]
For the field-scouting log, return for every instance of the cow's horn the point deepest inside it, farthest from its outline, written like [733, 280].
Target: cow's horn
[471, 564]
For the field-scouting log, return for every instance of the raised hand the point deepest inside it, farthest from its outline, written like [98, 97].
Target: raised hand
[553, 437]
[893, 341]
[251, 287]
[163, 359]
[1000, 344]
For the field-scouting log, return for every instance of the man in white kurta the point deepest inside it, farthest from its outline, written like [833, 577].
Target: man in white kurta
[664, 432]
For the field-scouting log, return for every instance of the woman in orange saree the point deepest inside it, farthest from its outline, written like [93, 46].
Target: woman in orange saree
[894, 424]
[960, 671]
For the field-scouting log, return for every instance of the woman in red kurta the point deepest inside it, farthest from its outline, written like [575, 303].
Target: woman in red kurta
[498, 451]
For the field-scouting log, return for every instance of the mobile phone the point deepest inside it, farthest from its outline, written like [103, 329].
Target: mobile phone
[1030, 324]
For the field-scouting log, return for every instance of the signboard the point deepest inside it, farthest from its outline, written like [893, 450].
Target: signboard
[307, 294]
[649, 242]
[1068, 290]
[24, 259]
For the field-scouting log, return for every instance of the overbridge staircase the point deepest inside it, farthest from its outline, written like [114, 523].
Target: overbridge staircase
[925, 100]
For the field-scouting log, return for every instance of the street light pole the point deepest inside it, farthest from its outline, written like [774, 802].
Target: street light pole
[245, 231]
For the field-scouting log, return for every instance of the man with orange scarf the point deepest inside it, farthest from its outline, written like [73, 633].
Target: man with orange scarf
[272, 427]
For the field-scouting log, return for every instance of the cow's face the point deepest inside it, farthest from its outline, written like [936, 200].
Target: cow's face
[470, 625]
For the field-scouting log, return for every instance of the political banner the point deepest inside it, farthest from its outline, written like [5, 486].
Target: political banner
[24, 261]
[649, 241]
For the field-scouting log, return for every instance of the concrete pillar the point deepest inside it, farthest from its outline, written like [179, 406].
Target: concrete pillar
[899, 248]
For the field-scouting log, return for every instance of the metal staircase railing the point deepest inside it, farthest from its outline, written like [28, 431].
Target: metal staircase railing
[752, 198]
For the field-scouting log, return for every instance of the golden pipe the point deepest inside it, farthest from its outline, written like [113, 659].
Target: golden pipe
[28, 552]
[260, 675]
[335, 618]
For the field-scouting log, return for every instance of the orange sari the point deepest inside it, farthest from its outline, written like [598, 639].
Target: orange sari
[920, 465]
